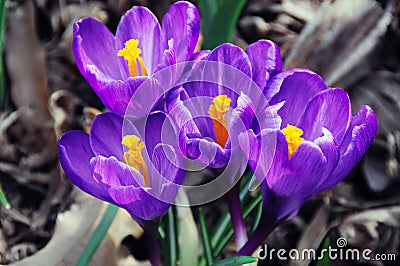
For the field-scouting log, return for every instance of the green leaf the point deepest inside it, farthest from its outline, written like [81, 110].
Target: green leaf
[3, 199]
[205, 237]
[208, 9]
[325, 260]
[257, 219]
[171, 239]
[98, 235]
[161, 232]
[2, 74]
[233, 261]
[220, 28]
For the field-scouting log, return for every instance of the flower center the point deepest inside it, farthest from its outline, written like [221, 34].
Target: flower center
[293, 137]
[133, 157]
[131, 53]
[217, 112]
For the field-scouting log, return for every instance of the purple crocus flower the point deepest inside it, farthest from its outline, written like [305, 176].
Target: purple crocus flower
[115, 66]
[227, 100]
[318, 143]
[117, 164]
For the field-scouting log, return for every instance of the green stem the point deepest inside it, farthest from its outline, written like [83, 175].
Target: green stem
[206, 241]
[171, 238]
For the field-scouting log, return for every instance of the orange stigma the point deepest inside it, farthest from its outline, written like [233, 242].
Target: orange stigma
[217, 112]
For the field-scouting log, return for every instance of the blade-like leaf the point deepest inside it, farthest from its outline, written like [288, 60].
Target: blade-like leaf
[208, 9]
[233, 261]
[206, 240]
[223, 22]
[171, 239]
[325, 259]
[3, 199]
[98, 235]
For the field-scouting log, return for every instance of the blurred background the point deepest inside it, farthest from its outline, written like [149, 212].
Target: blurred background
[352, 44]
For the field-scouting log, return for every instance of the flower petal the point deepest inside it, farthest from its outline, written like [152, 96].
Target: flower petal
[331, 151]
[117, 96]
[329, 109]
[207, 152]
[181, 24]
[75, 154]
[241, 118]
[295, 87]
[95, 54]
[265, 60]
[106, 134]
[140, 24]
[158, 129]
[138, 202]
[167, 174]
[357, 140]
[261, 151]
[110, 172]
[301, 173]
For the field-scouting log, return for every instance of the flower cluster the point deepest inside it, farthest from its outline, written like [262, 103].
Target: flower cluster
[228, 109]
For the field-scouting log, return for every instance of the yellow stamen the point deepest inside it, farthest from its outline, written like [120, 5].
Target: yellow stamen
[293, 137]
[133, 157]
[217, 112]
[131, 53]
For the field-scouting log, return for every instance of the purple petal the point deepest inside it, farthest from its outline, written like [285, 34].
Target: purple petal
[357, 140]
[166, 162]
[75, 154]
[232, 72]
[138, 202]
[95, 54]
[276, 167]
[295, 87]
[241, 118]
[110, 172]
[145, 98]
[158, 129]
[117, 95]
[265, 59]
[207, 152]
[251, 148]
[200, 55]
[169, 59]
[268, 117]
[140, 24]
[261, 151]
[167, 174]
[331, 151]
[301, 174]
[329, 109]
[106, 134]
[181, 24]
[244, 112]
